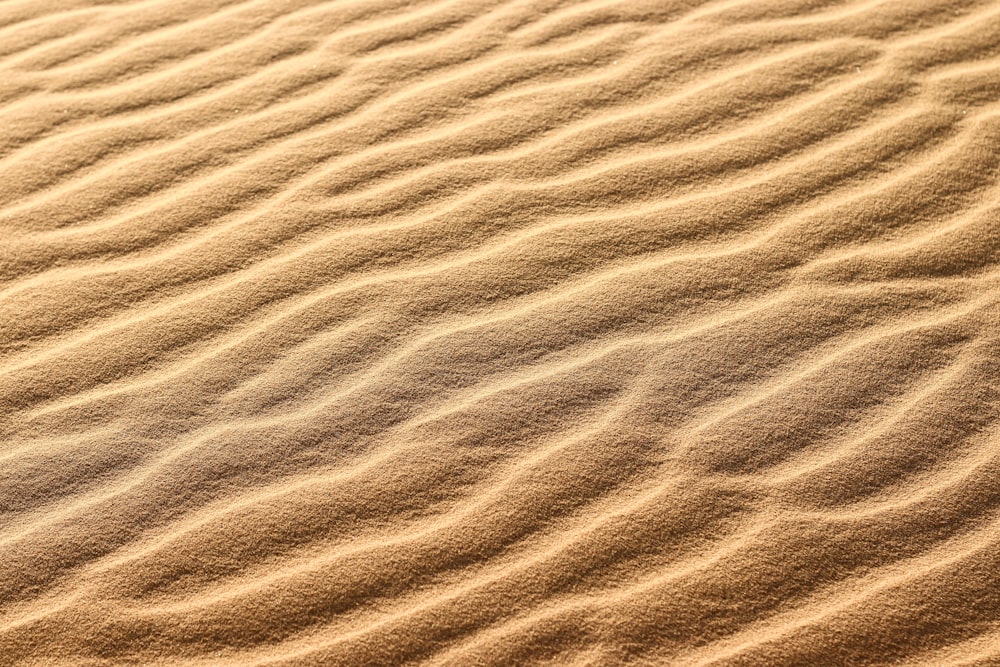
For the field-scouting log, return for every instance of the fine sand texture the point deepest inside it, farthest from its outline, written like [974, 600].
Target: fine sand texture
[468, 333]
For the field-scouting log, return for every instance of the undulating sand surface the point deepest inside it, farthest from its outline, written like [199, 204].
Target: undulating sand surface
[371, 332]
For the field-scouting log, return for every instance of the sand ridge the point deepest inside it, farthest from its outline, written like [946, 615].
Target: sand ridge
[461, 332]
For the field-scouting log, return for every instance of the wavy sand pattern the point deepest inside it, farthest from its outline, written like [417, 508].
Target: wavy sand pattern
[372, 332]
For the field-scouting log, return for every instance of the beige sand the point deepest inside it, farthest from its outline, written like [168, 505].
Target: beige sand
[371, 332]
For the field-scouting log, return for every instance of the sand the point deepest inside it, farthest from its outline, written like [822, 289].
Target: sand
[371, 332]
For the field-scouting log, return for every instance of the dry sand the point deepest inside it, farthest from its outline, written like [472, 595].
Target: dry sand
[369, 332]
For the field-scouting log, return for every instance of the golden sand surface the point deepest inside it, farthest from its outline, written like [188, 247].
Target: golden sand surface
[454, 332]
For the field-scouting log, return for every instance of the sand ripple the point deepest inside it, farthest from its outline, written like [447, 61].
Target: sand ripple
[459, 332]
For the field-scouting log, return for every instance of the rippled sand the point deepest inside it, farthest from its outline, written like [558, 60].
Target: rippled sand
[498, 333]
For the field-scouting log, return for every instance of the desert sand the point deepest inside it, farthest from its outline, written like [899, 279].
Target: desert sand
[370, 332]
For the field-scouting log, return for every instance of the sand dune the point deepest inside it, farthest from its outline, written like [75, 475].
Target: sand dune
[378, 332]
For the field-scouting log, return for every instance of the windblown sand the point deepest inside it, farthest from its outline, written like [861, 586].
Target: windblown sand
[370, 332]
